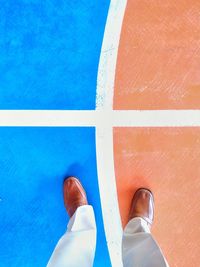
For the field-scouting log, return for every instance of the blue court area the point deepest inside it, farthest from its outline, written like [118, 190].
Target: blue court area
[49, 53]
[49, 56]
[33, 164]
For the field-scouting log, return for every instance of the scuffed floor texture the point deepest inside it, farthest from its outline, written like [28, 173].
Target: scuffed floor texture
[159, 58]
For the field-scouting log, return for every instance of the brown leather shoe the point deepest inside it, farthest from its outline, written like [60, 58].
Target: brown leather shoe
[74, 195]
[142, 205]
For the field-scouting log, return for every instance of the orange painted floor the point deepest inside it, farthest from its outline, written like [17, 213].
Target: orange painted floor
[166, 160]
[158, 67]
[158, 63]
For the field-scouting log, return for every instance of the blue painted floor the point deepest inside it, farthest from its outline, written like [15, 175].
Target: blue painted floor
[49, 53]
[49, 56]
[33, 164]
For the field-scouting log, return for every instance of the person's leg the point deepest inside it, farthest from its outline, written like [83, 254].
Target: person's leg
[139, 248]
[77, 246]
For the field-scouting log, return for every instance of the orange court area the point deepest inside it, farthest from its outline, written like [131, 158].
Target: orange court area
[158, 63]
[165, 160]
[158, 68]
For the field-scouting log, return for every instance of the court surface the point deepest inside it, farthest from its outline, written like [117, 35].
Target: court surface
[108, 92]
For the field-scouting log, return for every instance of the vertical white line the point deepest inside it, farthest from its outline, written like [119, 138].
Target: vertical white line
[108, 57]
[104, 131]
[108, 193]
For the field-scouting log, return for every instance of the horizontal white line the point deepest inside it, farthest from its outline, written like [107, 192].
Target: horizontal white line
[93, 118]
[47, 118]
[156, 118]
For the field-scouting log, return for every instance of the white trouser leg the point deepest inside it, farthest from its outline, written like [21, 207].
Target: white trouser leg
[139, 248]
[77, 246]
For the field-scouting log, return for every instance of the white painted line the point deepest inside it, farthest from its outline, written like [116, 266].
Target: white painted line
[100, 118]
[108, 193]
[156, 118]
[104, 131]
[108, 57]
[44, 118]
